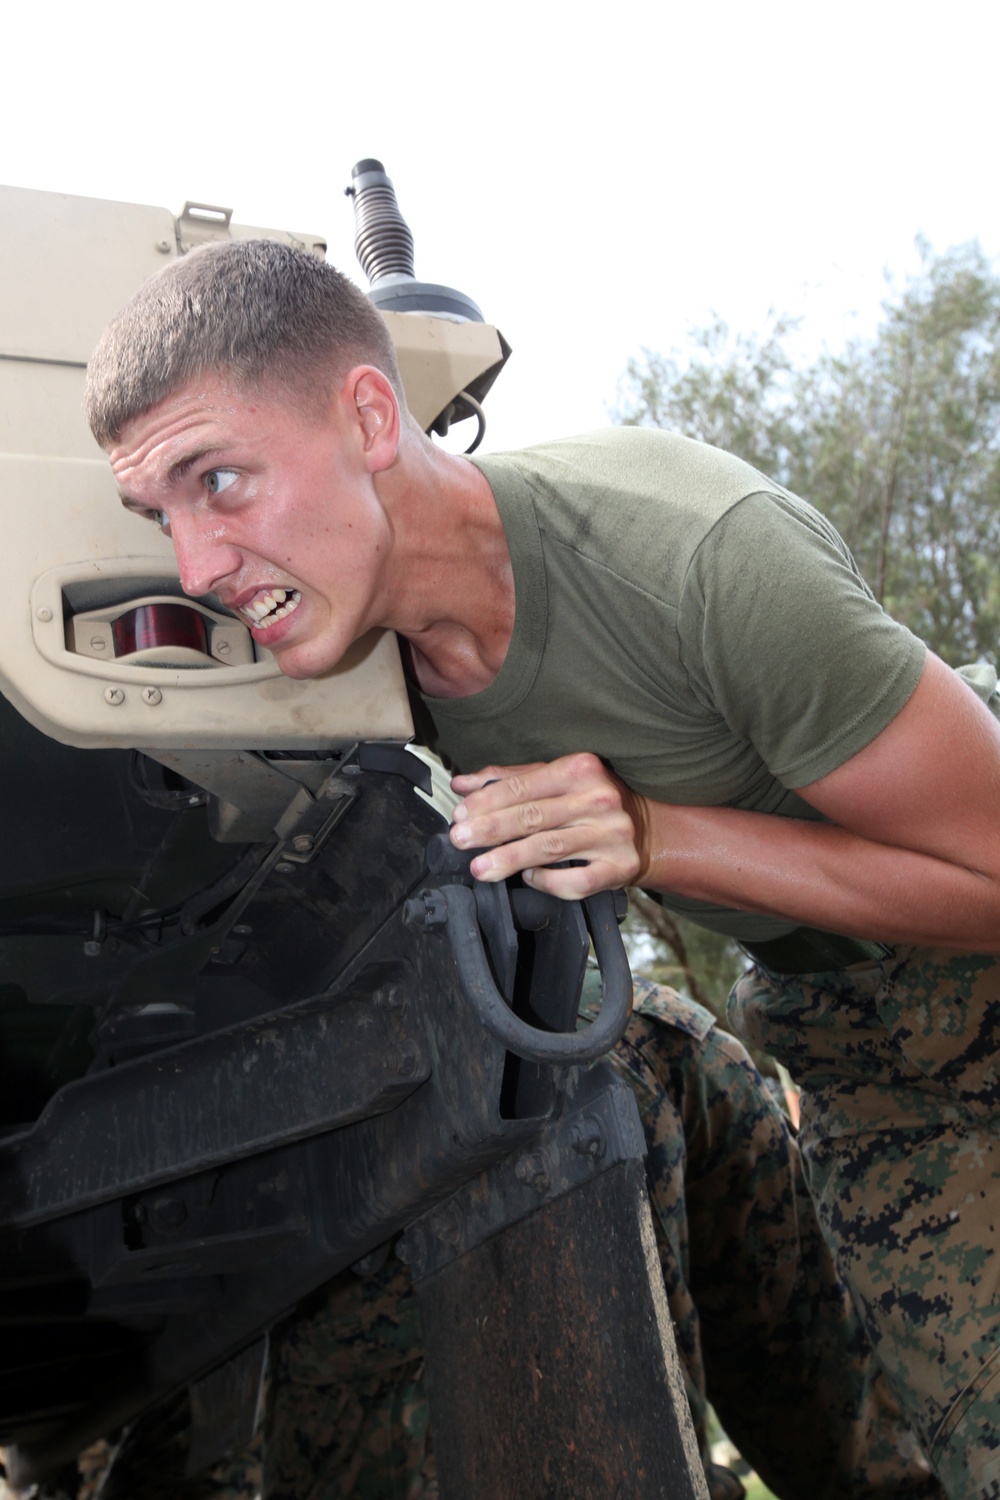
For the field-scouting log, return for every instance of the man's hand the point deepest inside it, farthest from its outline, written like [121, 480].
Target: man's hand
[530, 817]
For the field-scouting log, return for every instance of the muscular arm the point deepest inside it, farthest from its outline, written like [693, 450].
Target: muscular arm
[911, 852]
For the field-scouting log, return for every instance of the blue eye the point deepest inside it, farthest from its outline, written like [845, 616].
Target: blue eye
[217, 480]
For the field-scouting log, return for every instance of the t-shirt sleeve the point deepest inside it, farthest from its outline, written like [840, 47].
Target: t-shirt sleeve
[781, 636]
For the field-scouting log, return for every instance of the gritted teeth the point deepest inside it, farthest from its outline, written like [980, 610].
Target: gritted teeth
[271, 606]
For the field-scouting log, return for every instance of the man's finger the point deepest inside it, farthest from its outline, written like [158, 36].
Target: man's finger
[474, 781]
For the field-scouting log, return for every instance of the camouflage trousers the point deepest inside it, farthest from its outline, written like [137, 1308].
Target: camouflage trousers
[765, 1329]
[900, 1061]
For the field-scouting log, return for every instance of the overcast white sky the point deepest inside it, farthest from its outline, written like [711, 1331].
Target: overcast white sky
[597, 179]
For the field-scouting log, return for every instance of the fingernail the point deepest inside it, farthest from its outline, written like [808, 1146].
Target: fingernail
[460, 813]
[461, 835]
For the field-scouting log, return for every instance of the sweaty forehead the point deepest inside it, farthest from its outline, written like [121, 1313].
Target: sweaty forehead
[171, 431]
[210, 417]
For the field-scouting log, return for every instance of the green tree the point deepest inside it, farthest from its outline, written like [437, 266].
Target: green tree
[734, 392]
[900, 446]
[896, 438]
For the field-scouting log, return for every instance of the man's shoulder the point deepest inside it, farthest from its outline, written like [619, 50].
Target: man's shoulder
[620, 451]
[624, 473]
[635, 499]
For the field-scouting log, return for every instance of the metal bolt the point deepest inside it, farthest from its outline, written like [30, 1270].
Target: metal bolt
[98, 643]
[587, 1137]
[114, 696]
[351, 770]
[302, 843]
[44, 614]
[532, 1169]
[152, 696]
[426, 910]
[447, 1224]
[412, 1248]
[402, 1060]
[92, 949]
[283, 867]
[168, 1214]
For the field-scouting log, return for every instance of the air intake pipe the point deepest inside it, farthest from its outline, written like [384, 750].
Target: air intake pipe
[384, 246]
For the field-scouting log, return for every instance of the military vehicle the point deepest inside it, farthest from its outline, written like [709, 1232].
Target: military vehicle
[256, 1018]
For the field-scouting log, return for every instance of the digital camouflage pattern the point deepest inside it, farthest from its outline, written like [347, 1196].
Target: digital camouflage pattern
[900, 1063]
[347, 1415]
[764, 1327]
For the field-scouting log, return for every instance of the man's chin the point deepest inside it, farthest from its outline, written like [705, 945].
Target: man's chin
[303, 662]
[292, 666]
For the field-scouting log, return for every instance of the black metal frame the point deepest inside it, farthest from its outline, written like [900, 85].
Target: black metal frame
[170, 1205]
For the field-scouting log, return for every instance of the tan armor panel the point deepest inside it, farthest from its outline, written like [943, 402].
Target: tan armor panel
[75, 560]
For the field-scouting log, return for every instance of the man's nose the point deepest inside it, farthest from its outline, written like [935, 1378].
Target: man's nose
[204, 556]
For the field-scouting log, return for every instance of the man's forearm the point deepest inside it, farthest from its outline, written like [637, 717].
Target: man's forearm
[909, 852]
[819, 875]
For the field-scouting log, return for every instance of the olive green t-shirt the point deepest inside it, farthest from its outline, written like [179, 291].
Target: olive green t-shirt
[698, 627]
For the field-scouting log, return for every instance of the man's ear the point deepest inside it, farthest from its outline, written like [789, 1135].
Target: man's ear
[371, 409]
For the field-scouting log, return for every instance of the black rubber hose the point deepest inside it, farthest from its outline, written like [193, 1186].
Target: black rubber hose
[563, 1047]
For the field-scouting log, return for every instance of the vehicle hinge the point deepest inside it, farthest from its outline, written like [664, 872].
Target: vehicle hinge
[200, 224]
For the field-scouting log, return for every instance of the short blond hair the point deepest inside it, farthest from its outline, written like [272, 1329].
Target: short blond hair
[260, 311]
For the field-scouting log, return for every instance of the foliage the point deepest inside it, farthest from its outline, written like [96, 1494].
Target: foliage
[902, 451]
[701, 964]
[896, 438]
[732, 393]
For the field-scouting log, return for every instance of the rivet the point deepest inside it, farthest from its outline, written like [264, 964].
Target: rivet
[402, 1060]
[168, 1214]
[283, 867]
[532, 1170]
[163, 246]
[447, 1224]
[587, 1137]
[44, 614]
[114, 696]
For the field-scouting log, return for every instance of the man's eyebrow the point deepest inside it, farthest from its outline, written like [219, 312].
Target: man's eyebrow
[177, 471]
[175, 474]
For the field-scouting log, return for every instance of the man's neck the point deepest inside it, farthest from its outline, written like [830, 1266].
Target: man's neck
[459, 571]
